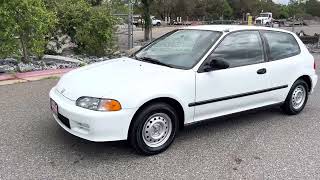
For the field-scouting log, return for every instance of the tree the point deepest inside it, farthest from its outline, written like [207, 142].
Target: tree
[71, 15]
[163, 8]
[91, 28]
[95, 2]
[96, 35]
[146, 6]
[199, 11]
[216, 9]
[25, 25]
[296, 9]
[117, 6]
[227, 10]
[284, 12]
[270, 6]
[313, 7]
[241, 7]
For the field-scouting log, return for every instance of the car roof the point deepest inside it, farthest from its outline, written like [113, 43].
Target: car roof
[230, 28]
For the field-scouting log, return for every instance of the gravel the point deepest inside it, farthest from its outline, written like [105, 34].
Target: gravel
[13, 65]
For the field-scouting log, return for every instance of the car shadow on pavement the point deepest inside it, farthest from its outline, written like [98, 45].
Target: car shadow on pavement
[233, 123]
[122, 148]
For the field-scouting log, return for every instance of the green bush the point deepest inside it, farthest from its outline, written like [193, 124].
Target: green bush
[90, 28]
[96, 35]
[24, 27]
[27, 25]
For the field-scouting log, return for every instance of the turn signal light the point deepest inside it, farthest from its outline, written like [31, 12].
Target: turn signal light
[110, 105]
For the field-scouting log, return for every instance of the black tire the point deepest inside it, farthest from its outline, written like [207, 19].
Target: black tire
[136, 137]
[158, 24]
[288, 106]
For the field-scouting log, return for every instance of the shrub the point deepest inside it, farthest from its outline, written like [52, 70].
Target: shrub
[24, 27]
[96, 35]
[90, 28]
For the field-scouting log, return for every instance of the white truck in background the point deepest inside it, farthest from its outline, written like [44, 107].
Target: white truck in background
[138, 20]
[264, 19]
[155, 21]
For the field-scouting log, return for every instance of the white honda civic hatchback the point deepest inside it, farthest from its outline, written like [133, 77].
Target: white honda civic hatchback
[188, 75]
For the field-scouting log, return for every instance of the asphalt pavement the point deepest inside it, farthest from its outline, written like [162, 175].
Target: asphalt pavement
[260, 144]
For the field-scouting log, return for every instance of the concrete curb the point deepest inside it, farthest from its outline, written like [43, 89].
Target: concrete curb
[31, 76]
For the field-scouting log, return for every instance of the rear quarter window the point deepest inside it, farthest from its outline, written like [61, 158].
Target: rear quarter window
[281, 45]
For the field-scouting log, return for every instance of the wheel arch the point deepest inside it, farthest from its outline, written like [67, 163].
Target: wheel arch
[308, 80]
[170, 101]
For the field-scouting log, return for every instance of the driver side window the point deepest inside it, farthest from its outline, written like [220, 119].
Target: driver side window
[240, 48]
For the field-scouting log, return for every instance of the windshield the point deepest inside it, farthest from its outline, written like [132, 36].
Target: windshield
[264, 15]
[179, 49]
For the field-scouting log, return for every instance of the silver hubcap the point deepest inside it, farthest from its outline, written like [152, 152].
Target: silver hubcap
[157, 130]
[298, 97]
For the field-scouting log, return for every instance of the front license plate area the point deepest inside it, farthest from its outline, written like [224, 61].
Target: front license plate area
[55, 110]
[54, 107]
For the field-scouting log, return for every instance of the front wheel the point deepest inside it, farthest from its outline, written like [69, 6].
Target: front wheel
[154, 129]
[297, 98]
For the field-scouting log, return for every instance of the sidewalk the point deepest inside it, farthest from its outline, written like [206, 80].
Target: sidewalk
[31, 76]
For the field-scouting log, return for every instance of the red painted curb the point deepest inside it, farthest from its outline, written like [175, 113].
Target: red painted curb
[34, 74]
[7, 77]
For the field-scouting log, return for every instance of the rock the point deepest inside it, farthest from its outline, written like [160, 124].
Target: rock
[9, 61]
[60, 59]
[61, 43]
[133, 50]
[92, 59]
[43, 64]
[66, 65]
[48, 62]
[34, 58]
[6, 69]
[51, 67]
[37, 67]
[26, 67]
[80, 58]
[116, 53]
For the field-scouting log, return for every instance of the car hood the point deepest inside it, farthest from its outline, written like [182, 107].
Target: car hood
[117, 78]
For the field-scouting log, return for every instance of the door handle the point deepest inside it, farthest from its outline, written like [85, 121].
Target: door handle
[262, 71]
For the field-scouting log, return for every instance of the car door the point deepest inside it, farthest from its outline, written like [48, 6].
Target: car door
[242, 86]
[285, 61]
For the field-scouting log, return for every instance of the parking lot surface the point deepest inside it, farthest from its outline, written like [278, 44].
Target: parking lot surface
[260, 144]
[138, 34]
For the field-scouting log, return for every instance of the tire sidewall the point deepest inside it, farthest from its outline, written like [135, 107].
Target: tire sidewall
[139, 122]
[289, 98]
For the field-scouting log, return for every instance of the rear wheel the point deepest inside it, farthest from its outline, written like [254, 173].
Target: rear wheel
[154, 129]
[297, 98]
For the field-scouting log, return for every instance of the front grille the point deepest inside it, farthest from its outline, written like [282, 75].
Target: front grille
[64, 120]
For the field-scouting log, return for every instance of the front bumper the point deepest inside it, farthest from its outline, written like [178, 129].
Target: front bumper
[92, 125]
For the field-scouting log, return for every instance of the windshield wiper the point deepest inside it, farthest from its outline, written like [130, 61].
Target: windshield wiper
[154, 61]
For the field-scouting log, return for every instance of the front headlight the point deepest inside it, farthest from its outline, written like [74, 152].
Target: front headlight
[98, 104]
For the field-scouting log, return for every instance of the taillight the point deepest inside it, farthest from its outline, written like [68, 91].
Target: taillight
[314, 65]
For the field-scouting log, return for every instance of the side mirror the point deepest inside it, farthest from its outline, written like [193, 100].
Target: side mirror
[216, 64]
